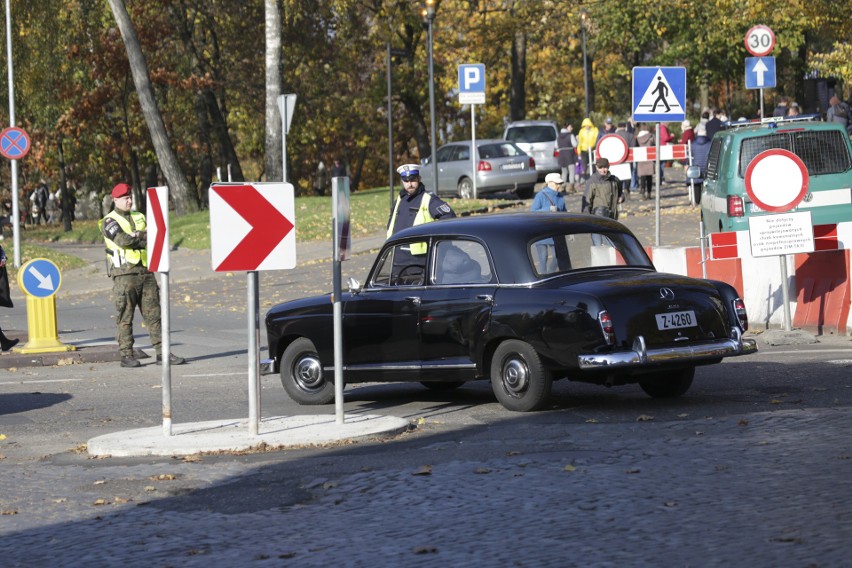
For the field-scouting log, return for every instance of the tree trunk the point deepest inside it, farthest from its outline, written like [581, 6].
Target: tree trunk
[274, 163]
[63, 189]
[220, 130]
[517, 89]
[183, 193]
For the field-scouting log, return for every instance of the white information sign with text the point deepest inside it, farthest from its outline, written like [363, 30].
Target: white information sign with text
[775, 235]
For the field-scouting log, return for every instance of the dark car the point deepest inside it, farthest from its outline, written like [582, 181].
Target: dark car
[520, 299]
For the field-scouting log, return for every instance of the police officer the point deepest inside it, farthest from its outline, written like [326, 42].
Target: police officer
[414, 205]
[132, 284]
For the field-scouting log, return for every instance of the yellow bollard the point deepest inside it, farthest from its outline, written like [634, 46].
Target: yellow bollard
[40, 279]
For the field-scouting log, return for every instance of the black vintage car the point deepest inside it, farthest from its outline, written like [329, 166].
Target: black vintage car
[520, 299]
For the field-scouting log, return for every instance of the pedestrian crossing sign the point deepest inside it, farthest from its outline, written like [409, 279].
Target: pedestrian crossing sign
[659, 94]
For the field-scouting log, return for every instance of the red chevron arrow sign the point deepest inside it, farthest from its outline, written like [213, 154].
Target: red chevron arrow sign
[158, 229]
[252, 226]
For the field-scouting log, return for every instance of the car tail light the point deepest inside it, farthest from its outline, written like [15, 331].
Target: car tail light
[532, 164]
[606, 327]
[735, 206]
[556, 152]
[742, 316]
[483, 166]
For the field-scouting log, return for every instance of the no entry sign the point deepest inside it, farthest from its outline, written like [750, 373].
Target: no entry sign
[14, 143]
[776, 180]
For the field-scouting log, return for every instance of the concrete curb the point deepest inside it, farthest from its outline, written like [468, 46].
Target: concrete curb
[275, 433]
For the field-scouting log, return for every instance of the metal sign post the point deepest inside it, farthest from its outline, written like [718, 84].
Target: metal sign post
[340, 230]
[286, 105]
[472, 92]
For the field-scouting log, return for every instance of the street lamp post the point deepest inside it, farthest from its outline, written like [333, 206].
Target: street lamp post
[584, 15]
[429, 13]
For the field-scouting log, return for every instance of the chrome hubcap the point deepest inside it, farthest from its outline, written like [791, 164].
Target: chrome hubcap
[516, 376]
[308, 373]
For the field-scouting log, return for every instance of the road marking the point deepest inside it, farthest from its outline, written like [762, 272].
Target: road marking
[21, 382]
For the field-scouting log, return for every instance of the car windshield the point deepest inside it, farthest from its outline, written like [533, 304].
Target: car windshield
[531, 134]
[577, 251]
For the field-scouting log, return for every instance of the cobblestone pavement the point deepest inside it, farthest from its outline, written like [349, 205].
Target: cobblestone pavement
[756, 491]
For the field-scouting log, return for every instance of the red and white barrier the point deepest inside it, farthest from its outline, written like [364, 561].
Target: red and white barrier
[819, 282]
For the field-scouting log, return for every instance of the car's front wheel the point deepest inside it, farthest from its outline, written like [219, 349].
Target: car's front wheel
[465, 188]
[518, 378]
[669, 384]
[302, 375]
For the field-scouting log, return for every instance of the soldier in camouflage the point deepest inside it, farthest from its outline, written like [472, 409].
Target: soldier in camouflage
[132, 284]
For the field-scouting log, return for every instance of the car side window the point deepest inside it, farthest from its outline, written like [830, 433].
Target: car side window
[401, 265]
[445, 154]
[462, 154]
[461, 262]
[713, 159]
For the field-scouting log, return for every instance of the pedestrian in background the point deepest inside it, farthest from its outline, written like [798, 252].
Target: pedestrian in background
[645, 170]
[566, 144]
[550, 199]
[603, 191]
[625, 170]
[5, 300]
[586, 141]
[133, 285]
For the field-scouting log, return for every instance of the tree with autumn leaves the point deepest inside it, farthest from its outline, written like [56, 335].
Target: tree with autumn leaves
[191, 100]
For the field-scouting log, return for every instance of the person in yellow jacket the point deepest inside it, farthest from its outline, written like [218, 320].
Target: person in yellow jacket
[125, 237]
[414, 206]
[587, 139]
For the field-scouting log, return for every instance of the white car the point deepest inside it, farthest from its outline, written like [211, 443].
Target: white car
[538, 139]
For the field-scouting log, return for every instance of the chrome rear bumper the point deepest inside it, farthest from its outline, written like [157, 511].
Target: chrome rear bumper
[639, 356]
[267, 366]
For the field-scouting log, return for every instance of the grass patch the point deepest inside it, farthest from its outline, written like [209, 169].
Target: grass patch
[369, 215]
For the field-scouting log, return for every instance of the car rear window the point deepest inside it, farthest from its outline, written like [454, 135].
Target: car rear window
[822, 151]
[504, 150]
[531, 134]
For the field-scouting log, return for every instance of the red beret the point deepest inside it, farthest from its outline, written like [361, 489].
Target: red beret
[120, 190]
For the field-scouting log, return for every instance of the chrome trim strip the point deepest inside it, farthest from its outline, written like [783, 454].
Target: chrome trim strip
[267, 366]
[426, 367]
[639, 356]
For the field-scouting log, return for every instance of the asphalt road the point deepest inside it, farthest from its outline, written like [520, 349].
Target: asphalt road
[750, 468]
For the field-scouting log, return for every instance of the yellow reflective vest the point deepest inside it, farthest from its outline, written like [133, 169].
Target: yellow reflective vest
[423, 216]
[117, 255]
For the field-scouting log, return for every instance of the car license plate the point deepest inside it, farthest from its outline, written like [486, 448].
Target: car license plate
[676, 320]
[517, 166]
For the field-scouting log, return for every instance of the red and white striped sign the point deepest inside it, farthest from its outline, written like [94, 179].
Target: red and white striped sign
[158, 229]
[649, 153]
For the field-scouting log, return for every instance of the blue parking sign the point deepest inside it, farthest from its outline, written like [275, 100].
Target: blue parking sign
[472, 83]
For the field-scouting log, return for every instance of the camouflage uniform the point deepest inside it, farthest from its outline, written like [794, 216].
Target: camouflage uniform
[132, 284]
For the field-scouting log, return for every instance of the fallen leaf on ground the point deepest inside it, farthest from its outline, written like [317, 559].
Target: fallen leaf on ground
[644, 418]
[424, 470]
[569, 467]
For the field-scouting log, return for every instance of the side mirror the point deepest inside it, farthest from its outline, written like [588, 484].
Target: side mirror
[424, 161]
[693, 172]
[354, 285]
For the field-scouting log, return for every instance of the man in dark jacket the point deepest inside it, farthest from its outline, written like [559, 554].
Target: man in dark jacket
[603, 192]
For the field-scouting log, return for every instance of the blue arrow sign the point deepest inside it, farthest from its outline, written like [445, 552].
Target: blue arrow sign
[760, 72]
[40, 278]
[659, 94]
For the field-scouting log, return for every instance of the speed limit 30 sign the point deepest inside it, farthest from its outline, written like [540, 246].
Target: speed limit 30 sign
[760, 41]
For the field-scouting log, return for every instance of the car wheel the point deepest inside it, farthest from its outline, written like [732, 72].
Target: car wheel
[465, 188]
[525, 192]
[302, 376]
[518, 378]
[442, 385]
[669, 384]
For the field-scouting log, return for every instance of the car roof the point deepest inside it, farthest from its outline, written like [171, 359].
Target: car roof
[480, 142]
[531, 123]
[509, 234]
[766, 126]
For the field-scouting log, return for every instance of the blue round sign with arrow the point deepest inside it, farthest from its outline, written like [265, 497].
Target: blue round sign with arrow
[40, 278]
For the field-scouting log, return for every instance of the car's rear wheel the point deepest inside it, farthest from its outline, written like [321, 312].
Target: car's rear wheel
[525, 192]
[302, 376]
[519, 379]
[442, 385]
[669, 384]
[465, 188]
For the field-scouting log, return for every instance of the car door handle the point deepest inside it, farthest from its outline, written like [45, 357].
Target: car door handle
[487, 297]
[414, 300]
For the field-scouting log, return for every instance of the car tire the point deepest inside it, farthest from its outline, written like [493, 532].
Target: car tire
[518, 378]
[302, 375]
[442, 385]
[525, 192]
[669, 384]
[465, 188]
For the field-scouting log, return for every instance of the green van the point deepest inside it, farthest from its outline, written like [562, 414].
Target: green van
[824, 148]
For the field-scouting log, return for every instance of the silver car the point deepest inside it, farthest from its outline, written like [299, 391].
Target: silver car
[500, 166]
[538, 139]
